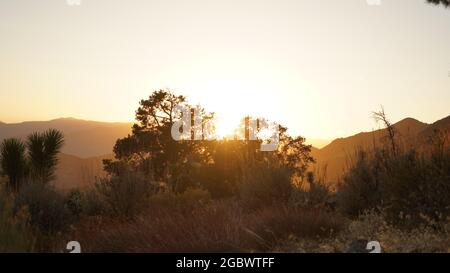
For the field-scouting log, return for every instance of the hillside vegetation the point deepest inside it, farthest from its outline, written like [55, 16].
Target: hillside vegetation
[162, 195]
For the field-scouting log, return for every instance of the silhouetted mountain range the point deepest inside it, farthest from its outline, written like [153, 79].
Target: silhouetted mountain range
[336, 155]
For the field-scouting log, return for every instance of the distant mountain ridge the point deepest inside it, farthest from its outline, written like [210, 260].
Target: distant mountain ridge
[335, 156]
[317, 142]
[83, 138]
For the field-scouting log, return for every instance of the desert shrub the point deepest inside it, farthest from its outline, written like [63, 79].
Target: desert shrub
[265, 184]
[359, 189]
[125, 194]
[220, 182]
[410, 184]
[315, 193]
[415, 186]
[14, 233]
[190, 197]
[92, 204]
[85, 203]
[274, 225]
[74, 202]
[367, 226]
[46, 207]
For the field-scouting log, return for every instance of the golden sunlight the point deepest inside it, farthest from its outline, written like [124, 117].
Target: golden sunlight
[227, 126]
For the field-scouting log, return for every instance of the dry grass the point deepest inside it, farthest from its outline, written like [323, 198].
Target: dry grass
[372, 226]
[218, 227]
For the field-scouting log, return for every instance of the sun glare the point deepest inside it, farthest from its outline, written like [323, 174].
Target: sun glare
[227, 126]
[233, 99]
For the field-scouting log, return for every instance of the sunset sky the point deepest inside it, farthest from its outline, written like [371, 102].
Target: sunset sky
[318, 67]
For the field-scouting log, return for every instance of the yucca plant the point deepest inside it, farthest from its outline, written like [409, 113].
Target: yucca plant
[13, 162]
[43, 149]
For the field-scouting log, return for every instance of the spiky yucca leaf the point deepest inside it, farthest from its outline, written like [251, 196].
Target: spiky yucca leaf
[43, 149]
[13, 162]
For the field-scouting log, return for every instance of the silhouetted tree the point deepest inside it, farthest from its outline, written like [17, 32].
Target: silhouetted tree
[13, 162]
[294, 153]
[150, 148]
[215, 165]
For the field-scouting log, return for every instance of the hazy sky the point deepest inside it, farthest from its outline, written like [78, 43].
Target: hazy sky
[319, 67]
